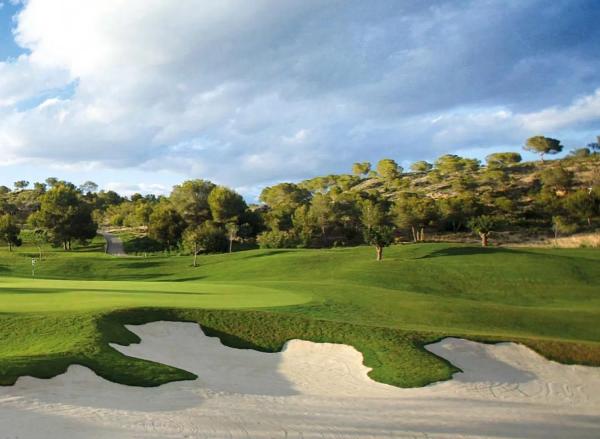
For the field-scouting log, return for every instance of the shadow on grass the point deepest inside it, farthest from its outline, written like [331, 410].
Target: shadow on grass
[98, 248]
[271, 253]
[469, 251]
[183, 279]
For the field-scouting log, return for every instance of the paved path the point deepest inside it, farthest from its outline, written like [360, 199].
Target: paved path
[114, 245]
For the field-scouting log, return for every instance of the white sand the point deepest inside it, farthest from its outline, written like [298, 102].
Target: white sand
[307, 391]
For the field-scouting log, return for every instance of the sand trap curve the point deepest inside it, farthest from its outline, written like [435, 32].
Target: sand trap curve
[308, 390]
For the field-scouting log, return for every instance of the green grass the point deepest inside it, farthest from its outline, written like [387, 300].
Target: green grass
[79, 302]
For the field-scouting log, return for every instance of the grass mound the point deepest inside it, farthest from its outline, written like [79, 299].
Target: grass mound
[547, 299]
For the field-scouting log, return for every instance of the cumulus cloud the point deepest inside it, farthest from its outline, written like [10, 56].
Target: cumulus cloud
[246, 93]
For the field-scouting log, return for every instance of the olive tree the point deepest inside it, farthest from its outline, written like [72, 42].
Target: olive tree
[483, 225]
[207, 237]
[376, 228]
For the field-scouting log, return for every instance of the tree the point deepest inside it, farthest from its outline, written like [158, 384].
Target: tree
[40, 237]
[560, 226]
[483, 225]
[225, 205]
[456, 211]
[379, 237]
[543, 145]
[142, 212]
[166, 226]
[595, 146]
[304, 225]
[500, 160]
[10, 231]
[65, 216]
[388, 169]
[583, 204]
[556, 179]
[421, 166]
[449, 163]
[51, 181]
[323, 214]
[471, 165]
[190, 199]
[88, 187]
[580, 152]
[232, 233]
[376, 229]
[282, 200]
[414, 213]
[361, 169]
[39, 188]
[207, 237]
[21, 184]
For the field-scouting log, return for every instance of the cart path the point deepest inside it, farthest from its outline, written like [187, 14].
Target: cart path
[114, 245]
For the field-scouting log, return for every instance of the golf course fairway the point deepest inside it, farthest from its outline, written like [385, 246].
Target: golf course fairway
[79, 302]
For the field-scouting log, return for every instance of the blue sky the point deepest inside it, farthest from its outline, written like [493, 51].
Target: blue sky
[8, 48]
[141, 95]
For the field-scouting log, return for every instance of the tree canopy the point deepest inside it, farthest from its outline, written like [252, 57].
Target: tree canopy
[543, 145]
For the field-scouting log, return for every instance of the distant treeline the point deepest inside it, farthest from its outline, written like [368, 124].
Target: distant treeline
[375, 205]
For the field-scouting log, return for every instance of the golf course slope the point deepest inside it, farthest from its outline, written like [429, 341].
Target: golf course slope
[79, 301]
[309, 390]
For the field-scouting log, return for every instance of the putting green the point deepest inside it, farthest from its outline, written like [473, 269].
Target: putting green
[44, 295]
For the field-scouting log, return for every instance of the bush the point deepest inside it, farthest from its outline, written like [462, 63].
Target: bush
[277, 239]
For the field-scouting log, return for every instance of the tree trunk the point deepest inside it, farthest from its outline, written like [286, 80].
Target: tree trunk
[230, 244]
[422, 237]
[414, 233]
[40, 250]
[195, 254]
[379, 251]
[9, 246]
[484, 239]
[542, 157]
[589, 221]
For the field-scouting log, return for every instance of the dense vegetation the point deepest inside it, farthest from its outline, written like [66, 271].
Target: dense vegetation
[370, 206]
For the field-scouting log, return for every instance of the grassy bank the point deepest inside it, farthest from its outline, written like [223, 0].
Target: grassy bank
[545, 298]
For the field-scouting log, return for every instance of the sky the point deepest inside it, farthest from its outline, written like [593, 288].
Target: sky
[139, 95]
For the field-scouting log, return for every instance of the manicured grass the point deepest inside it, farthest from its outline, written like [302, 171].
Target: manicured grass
[547, 299]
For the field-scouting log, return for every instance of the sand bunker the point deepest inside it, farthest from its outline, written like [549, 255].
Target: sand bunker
[309, 390]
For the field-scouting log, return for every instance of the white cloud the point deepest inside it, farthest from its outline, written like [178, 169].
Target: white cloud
[584, 110]
[246, 93]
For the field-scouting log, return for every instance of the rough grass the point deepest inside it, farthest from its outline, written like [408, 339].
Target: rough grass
[547, 299]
